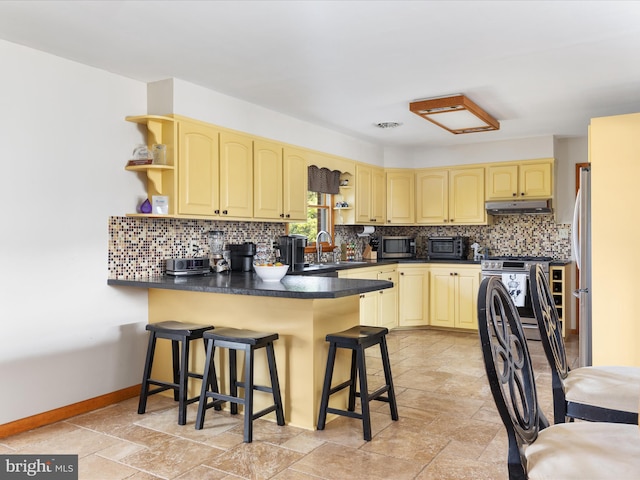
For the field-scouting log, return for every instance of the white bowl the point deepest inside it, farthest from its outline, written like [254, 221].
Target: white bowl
[273, 273]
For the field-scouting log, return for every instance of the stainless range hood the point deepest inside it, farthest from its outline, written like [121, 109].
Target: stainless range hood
[516, 207]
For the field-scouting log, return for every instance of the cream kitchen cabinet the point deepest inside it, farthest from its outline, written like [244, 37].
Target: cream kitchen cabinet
[453, 196]
[236, 175]
[215, 172]
[413, 295]
[294, 184]
[198, 169]
[370, 195]
[453, 293]
[520, 180]
[400, 197]
[280, 182]
[378, 308]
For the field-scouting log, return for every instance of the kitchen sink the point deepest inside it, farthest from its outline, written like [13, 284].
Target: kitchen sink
[319, 267]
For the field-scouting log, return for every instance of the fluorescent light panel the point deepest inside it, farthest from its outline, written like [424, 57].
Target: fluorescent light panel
[455, 113]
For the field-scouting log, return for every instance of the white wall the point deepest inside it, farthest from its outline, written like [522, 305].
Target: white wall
[197, 102]
[65, 336]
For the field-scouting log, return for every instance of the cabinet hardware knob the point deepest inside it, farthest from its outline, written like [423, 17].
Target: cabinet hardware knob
[217, 212]
[282, 215]
[522, 194]
[288, 215]
[224, 212]
[514, 194]
[401, 273]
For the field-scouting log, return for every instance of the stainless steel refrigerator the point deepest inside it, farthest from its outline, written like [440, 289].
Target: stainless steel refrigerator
[582, 251]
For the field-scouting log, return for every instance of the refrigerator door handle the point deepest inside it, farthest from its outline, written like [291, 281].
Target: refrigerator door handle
[575, 235]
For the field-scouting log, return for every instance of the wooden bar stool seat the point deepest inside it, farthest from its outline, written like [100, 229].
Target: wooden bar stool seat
[180, 334]
[357, 339]
[247, 341]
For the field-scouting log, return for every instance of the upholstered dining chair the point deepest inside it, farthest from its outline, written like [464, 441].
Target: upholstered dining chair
[598, 394]
[573, 450]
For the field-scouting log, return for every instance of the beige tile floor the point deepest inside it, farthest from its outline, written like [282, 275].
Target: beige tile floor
[448, 428]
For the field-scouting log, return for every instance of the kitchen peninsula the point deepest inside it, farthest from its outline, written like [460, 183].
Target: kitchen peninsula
[301, 309]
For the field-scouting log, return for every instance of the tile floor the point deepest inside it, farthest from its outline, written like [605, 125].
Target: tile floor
[448, 428]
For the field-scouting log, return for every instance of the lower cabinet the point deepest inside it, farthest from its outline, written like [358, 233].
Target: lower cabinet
[413, 296]
[453, 293]
[438, 295]
[378, 308]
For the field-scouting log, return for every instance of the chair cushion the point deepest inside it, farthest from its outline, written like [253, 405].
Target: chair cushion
[585, 450]
[616, 388]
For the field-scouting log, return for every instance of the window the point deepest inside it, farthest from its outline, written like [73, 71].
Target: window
[319, 217]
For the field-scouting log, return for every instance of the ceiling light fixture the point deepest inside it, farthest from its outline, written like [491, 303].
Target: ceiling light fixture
[387, 124]
[455, 113]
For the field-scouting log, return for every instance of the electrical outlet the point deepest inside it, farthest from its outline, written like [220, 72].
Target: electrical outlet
[563, 232]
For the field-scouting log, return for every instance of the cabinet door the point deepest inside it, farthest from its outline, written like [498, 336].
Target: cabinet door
[535, 180]
[378, 195]
[468, 284]
[432, 197]
[295, 185]
[198, 191]
[413, 293]
[400, 198]
[267, 171]
[442, 299]
[502, 182]
[369, 308]
[388, 301]
[236, 175]
[363, 194]
[466, 196]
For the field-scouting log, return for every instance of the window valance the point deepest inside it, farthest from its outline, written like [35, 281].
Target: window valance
[323, 180]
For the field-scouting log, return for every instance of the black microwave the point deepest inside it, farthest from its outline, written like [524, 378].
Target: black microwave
[396, 247]
[447, 248]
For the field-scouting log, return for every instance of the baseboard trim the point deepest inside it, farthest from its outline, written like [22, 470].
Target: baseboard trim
[62, 413]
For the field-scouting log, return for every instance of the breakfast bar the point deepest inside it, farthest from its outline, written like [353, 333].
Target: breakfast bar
[301, 309]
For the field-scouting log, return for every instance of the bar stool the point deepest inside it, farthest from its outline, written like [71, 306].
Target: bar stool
[357, 339]
[179, 333]
[248, 341]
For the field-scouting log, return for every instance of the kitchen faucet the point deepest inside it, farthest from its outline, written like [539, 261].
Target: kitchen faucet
[318, 246]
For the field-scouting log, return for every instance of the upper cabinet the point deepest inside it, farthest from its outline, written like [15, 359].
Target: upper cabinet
[532, 179]
[370, 195]
[294, 196]
[236, 175]
[267, 175]
[198, 169]
[215, 172]
[401, 197]
[280, 182]
[450, 196]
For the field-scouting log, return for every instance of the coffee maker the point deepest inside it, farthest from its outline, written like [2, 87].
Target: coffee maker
[292, 251]
[242, 256]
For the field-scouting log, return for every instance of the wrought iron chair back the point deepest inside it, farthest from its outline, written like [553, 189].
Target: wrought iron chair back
[587, 393]
[509, 371]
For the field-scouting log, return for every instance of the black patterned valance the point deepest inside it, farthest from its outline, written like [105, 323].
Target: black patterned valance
[323, 180]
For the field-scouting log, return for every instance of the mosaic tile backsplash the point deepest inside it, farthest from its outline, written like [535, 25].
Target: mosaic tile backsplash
[138, 246]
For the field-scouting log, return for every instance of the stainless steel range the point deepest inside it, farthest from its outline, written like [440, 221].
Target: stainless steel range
[514, 272]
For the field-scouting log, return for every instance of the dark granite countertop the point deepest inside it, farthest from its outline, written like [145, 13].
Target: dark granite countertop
[237, 283]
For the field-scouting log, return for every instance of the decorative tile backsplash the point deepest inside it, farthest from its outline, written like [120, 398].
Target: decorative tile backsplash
[516, 235]
[138, 246]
